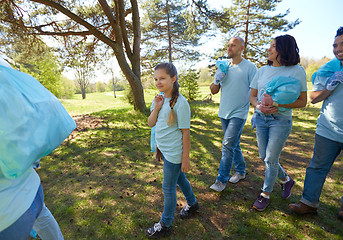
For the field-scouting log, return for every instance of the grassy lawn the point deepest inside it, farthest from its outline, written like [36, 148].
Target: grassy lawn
[104, 183]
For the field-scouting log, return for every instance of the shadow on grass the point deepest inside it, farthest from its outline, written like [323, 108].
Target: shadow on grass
[105, 184]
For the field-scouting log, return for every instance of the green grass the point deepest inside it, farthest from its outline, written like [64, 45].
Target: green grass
[103, 182]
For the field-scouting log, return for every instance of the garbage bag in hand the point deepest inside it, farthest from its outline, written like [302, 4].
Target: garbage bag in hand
[33, 122]
[284, 90]
[223, 66]
[334, 80]
[328, 69]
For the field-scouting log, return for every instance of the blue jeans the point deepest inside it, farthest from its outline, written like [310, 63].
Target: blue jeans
[173, 176]
[272, 131]
[231, 150]
[324, 154]
[20, 229]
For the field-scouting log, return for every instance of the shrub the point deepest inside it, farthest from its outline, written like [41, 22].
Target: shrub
[189, 86]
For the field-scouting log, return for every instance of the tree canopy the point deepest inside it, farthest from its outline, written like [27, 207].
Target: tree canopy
[113, 25]
[170, 30]
[255, 22]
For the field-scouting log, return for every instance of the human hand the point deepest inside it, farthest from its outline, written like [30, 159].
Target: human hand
[158, 155]
[334, 80]
[218, 77]
[267, 109]
[159, 100]
[185, 165]
[267, 100]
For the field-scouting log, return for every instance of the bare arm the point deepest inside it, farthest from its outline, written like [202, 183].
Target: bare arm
[214, 88]
[253, 97]
[186, 144]
[318, 96]
[152, 119]
[299, 103]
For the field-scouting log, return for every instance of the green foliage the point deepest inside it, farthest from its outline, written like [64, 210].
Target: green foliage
[170, 30]
[312, 65]
[189, 86]
[68, 88]
[205, 75]
[119, 84]
[32, 56]
[253, 21]
[128, 95]
[111, 28]
[48, 73]
[101, 87]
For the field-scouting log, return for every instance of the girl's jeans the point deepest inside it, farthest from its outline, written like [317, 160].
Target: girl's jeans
[173, 176]
[20, 229]
[272, 131]
[231, 150]
[324, 154]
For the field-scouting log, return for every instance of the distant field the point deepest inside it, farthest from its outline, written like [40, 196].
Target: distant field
[96, 102]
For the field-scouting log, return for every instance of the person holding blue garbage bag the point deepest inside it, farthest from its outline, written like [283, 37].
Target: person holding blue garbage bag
[327, 86]
[171, 115]
[32, 124]
[233, 79]
[275, 90]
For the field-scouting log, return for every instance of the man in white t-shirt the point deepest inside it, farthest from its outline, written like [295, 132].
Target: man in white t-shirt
[234, 83]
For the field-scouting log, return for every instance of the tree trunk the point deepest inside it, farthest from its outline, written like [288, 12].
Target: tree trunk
[83, 91]
[246, 31]
[169, 34]
[133, 79]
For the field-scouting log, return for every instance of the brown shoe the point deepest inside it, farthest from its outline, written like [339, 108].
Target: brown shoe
[340, 213]
[301, 208]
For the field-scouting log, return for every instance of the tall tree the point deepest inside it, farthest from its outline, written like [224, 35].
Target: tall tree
[83, 74]
[115, 25]
[81, 57]
[255, 22]
[170, 30]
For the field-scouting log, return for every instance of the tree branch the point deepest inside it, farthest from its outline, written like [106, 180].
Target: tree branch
[92, 29]
[124, 32]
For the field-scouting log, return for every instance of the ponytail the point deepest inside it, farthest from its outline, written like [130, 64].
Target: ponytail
[172, 102]
[172, 72]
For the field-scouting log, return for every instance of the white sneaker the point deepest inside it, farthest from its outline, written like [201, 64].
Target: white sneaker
[236, 177]
[218, 186]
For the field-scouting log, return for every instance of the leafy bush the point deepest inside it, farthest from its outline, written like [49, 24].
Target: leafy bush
[189, 86]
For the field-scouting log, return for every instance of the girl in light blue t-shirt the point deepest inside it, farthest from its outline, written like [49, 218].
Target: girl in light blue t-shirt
[170, 114]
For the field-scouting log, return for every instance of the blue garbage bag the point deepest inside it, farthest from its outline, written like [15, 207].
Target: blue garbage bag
[223, 65]
[33, 122]
[284, 90]
[152, 140]
[33, 234]
[328, 69]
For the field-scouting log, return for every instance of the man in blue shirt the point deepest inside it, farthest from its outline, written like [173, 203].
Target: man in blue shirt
[233, 78]
[327, 87]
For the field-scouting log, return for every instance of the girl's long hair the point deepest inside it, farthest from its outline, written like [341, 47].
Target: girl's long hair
[172, 72]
